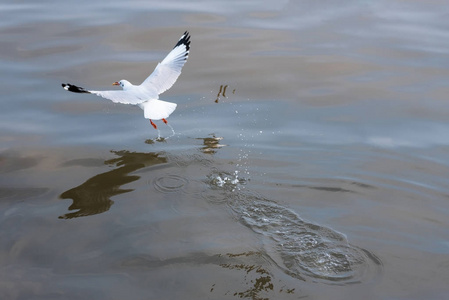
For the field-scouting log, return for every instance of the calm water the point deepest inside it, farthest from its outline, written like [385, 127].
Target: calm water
[310, 156]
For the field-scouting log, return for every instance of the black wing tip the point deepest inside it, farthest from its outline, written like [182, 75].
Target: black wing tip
[73, 88]
[184, 40]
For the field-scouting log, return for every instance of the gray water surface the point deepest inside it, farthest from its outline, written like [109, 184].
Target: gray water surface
[309, 158]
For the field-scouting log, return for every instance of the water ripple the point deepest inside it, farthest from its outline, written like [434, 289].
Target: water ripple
[300, 248]
[170, 183]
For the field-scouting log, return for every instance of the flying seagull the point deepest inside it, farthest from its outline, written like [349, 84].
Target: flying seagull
[146, 94]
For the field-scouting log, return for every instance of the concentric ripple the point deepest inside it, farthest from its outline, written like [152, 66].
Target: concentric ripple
[300, 248]
[170, 183]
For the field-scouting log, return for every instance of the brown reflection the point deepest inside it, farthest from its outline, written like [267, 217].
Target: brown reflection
[258, 279]
[211, 144]
[247, 268]
[222, 92]
[93, 196]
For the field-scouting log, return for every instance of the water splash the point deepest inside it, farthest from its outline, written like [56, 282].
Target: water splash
[301, 249]
[160, 138]
[172, 130]
[226, 181]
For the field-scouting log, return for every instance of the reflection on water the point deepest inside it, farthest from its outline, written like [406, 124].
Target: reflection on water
[93, 196]
[222, 92]
[257, 278]
[211, 144]
[250, 267]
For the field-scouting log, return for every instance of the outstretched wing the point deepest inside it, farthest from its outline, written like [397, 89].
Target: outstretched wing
[168, 71]
[124, 97]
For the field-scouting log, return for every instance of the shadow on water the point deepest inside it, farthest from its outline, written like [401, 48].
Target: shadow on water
[93, 196]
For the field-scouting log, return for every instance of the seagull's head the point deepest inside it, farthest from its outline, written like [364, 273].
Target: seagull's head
[123, 83]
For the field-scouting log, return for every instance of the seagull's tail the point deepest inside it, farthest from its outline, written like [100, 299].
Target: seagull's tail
[157, 109]
[73, 88]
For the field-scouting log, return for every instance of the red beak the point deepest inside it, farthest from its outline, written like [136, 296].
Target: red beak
[116, 83]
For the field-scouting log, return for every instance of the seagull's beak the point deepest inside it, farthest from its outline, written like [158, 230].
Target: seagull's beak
[116, 83]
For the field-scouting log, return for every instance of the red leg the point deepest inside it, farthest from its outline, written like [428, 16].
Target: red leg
[154, 125]
[165, 121]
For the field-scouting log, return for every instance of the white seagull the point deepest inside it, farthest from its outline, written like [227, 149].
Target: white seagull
[146, 94]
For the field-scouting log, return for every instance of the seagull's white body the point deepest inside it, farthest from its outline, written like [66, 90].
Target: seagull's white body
[146, 95]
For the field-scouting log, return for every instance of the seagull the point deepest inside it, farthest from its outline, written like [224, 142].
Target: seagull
[146, 95]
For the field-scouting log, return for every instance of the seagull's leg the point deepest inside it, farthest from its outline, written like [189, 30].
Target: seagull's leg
[165, 121]
[154, 125]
